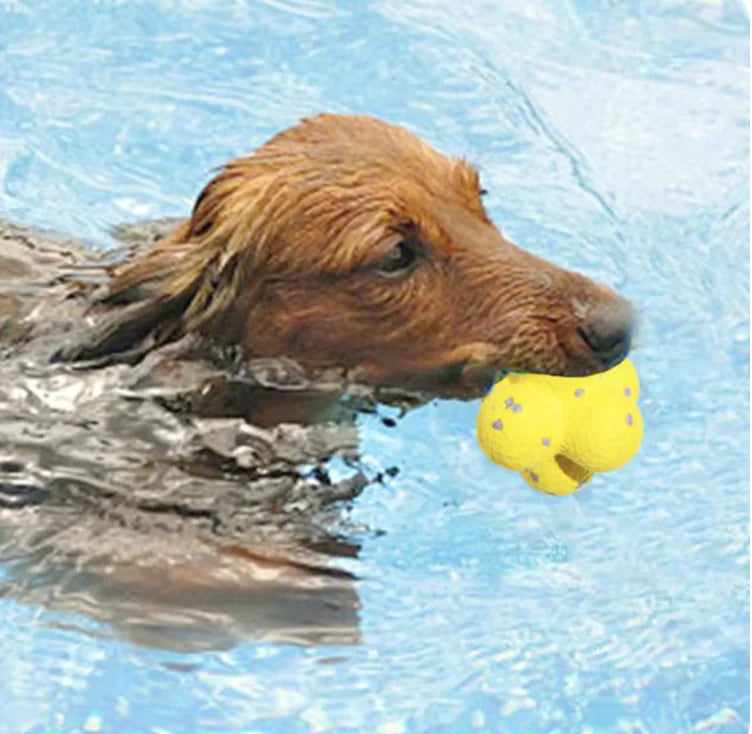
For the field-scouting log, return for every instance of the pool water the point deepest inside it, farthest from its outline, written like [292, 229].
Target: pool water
[613, 139]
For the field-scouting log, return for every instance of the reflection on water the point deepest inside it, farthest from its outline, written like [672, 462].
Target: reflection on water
[141, 496]
[175, 593]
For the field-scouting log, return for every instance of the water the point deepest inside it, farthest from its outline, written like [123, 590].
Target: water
[613, 138]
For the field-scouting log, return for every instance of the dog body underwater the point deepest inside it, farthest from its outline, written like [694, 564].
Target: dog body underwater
[168, 412]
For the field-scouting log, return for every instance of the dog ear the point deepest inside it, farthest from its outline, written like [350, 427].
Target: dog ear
[147, 315]
[162, 294]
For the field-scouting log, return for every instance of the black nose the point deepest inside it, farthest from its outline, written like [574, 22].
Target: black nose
[608, 331]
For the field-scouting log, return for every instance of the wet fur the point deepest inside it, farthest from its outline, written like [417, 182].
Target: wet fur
[281, 256]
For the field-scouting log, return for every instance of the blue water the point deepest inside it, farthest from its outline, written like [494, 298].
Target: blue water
[613, 138]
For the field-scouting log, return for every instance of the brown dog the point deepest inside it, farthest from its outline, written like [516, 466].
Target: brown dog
[348, 241]
[344, 242]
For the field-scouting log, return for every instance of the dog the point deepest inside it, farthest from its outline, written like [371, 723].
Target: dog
[344, 264]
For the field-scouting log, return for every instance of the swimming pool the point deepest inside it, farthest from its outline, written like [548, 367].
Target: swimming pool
[613, 138]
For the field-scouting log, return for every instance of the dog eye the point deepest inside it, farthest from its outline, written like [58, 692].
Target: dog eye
[400, 258]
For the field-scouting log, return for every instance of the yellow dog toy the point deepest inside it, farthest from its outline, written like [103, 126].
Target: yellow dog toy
[559, 431]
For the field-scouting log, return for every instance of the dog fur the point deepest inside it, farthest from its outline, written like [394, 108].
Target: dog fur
[293, 251]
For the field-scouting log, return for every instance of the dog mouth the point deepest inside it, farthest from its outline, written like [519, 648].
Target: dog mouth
[575, 343]
[473, 377]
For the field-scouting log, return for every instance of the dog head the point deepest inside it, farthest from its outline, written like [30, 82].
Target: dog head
[346, 241]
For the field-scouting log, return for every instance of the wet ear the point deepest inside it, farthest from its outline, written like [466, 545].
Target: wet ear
[183, 283]
[148, 313]
[157, 299]
[128, 337]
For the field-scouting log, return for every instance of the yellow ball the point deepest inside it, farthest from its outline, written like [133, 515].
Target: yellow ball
[560, 476]
[621, 380]
[519, 423]
[605, 436]
[558, 431]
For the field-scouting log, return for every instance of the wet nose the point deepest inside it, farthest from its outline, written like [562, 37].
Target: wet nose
[608, 331]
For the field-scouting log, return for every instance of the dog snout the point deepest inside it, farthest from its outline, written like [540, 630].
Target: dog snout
[608, 331]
